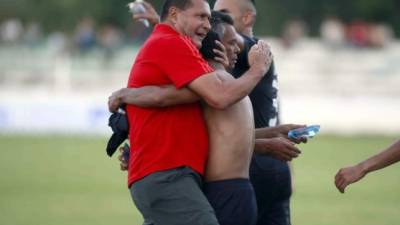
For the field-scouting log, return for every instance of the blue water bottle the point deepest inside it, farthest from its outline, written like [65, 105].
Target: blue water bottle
[304, 132]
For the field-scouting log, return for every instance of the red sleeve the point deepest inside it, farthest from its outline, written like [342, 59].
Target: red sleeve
[182, 61]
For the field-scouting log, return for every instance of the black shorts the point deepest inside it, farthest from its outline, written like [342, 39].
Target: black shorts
[233, 201]
[271, 180]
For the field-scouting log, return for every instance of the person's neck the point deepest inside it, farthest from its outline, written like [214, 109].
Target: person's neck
[169, 23]
[248, 31]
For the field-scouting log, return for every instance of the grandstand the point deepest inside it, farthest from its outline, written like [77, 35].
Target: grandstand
[346, 90]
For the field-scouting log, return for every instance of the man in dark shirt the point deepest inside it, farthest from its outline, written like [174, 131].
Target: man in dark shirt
[269, 174]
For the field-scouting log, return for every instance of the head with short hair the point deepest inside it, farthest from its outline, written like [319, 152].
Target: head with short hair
[243, 12]
[188, 17]
[222, 30]
[168, 4]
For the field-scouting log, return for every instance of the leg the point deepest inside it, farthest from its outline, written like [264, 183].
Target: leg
[233, 201]
[173, 197]
[272, 184]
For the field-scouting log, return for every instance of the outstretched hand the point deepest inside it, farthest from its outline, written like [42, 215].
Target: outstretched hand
[348, 175]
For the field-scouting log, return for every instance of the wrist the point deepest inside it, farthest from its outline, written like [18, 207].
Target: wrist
[364, 168]
[155, 21]
[257, 71]
[262, 146]
[122, 94]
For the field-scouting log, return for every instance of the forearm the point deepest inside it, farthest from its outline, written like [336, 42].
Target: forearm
[226, 90]
[266, 132]
[157, 96]
[261, 146]
[383, 159]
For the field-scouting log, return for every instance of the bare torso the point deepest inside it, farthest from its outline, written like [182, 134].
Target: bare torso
[231, 136]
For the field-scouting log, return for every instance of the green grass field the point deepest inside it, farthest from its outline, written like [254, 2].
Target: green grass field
[70, 181]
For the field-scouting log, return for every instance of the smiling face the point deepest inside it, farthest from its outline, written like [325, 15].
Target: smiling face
[194, 21]
[230, 43]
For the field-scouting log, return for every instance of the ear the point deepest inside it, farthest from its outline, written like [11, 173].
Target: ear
[249, 18]
[173, 14]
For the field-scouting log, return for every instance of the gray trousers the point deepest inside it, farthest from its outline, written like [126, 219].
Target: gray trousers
[173, 197]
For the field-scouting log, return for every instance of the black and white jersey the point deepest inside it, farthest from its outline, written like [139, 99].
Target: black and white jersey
[264, 96]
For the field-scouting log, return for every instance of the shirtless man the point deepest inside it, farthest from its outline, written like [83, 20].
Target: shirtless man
[231, 134]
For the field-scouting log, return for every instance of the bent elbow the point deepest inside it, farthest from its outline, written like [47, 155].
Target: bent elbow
[218, 102]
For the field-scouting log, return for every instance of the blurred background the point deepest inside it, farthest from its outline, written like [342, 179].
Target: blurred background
[338, 66]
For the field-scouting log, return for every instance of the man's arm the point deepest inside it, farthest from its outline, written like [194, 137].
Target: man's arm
[220, 90]
[150, 14]
[278, 147]
[352, 174]
[151, 96]
[279, 131]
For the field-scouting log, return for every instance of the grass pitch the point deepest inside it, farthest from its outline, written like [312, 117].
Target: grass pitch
[70, 180]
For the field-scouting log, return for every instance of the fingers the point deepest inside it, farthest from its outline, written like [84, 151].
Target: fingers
[265, 51]
[147, 5]
[294, 126]
[112, 104]
[341, 181]
[220, 60]
[221, 57]
[220, 45]
[340, 184]
[140, 16]
[289, 151]
[121, 157]
[123, 167]
[219, 53]
[290, 146]
[123, 163]
[304, 140]
[263, 47]
[299, 140]
[284, 129]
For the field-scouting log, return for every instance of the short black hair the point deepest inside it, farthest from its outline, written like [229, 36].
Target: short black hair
[180, 4]
[218, 19]
[221, 17]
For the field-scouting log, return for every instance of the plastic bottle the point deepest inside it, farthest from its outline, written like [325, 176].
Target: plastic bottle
[138, 7]
[305, 132]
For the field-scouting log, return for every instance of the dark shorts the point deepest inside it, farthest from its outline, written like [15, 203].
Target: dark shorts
[272, 184]
[233, 201]
[173, 197]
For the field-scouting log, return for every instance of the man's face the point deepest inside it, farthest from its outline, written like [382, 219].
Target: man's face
[233, 10]
[194, 21]
[231, 44]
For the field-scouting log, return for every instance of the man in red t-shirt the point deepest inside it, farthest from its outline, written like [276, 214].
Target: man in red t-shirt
[170, 145]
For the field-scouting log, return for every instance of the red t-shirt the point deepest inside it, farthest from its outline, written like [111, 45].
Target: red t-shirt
[170, 137]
